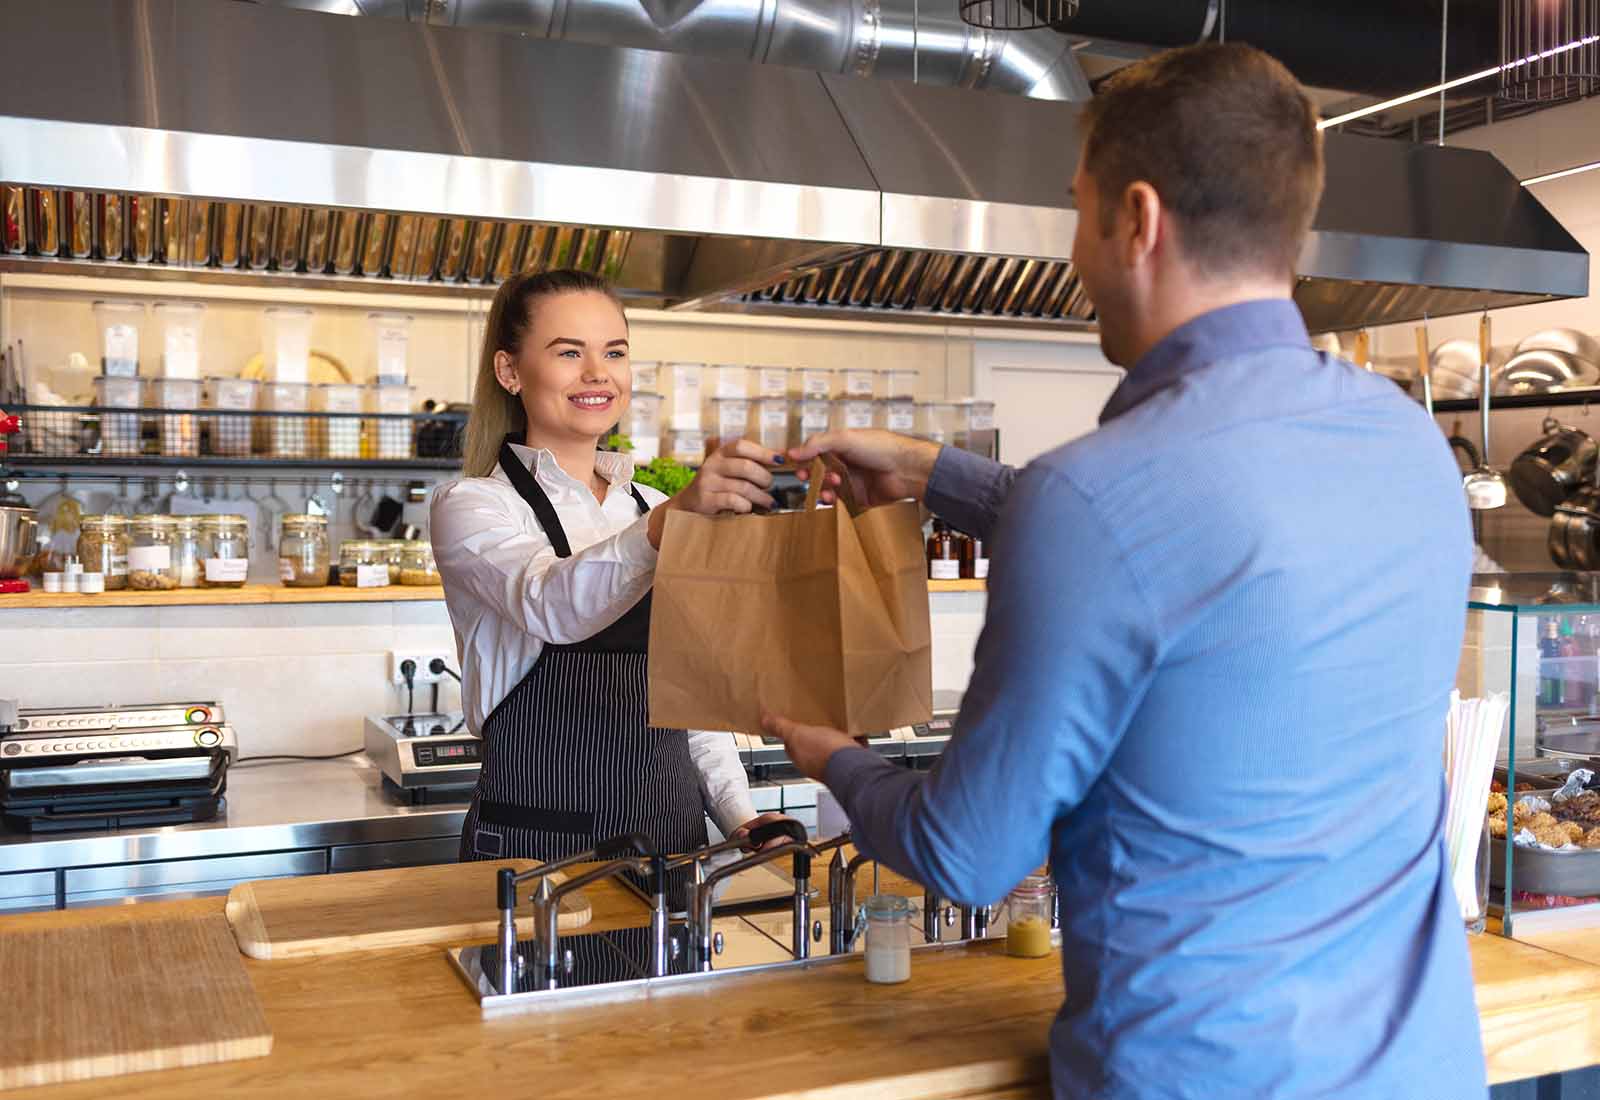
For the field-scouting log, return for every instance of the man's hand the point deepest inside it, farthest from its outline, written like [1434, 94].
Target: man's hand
[809, 747]
[761, 819]
[883, 466]
[734, 479]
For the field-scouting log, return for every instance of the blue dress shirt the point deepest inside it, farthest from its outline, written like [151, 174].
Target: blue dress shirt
[1222, 632]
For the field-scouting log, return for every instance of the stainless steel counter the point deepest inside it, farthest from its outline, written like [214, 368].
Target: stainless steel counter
[290, 818]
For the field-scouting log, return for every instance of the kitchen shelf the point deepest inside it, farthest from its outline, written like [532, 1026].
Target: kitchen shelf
[249, 594]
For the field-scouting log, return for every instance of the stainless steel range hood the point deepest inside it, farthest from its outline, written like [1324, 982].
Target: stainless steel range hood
[230, 141]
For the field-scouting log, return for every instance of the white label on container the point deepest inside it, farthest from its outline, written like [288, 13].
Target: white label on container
[900, 418]
[941, 570]
[285, 570]
[372, 576]
[774, 383]
[980, 568]
[122, 343]
[982, 419]
[119, 566]
[150, 558]
[858, 414]
[228, 569]
[814, 383]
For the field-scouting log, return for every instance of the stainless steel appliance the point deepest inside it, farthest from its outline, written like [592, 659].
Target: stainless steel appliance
[424, 757]
[114, 766]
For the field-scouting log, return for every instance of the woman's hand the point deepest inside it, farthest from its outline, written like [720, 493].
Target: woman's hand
[761, 819]
[735, 479]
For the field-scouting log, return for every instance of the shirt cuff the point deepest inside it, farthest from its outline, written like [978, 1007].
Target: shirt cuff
[967, 489]
[633, 545]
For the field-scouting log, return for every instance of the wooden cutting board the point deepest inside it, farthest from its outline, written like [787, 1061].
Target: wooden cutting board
[124, 997]
[365, 910]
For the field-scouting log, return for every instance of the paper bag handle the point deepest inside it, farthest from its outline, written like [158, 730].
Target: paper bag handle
[819, 471]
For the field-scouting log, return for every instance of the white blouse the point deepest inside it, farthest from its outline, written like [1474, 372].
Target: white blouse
[509, 595]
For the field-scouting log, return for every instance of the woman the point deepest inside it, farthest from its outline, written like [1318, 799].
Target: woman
[547, 551]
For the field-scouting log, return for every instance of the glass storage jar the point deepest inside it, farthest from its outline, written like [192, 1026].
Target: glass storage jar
[103, 548]
[303, 551]
[224, 551]
[152, 557]
[186, 550]
[417, 565]
[1028, 912]
[363, 563]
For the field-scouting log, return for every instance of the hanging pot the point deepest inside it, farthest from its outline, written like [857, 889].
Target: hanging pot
[1553, 468]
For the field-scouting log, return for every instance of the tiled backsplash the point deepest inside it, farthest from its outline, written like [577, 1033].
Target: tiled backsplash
[294, 678]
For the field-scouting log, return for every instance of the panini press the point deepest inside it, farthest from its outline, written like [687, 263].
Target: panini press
[113, 767]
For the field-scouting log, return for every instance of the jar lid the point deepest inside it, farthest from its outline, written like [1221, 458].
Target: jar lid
[888, 905]
[303, 519]
[107, 520]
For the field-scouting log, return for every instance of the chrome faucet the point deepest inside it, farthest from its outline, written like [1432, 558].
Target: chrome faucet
[703, 887]
[547, 902]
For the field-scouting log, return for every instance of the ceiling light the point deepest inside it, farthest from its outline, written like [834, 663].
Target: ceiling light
[1412, 97]
[1548, 176]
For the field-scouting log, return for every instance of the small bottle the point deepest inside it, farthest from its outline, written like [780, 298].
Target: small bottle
[974, 559]
[944, 553]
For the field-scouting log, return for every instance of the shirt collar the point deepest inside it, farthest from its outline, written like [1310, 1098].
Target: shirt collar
[614, 466]
[1231, 330]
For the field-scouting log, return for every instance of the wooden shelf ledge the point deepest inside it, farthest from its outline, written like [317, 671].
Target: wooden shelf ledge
[249, 594]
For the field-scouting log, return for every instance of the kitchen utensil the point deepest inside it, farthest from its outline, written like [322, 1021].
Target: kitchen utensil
[1484, 486]
[137, 994]
[1544, 370]
[1554, 467]
[19, 530]
[332, 914]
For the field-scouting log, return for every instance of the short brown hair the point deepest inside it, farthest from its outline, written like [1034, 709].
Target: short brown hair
[1227, 137]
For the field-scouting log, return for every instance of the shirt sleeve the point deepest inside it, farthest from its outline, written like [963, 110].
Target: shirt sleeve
[723, 782]
[969, 491]
[1067, 651]
[481, 548]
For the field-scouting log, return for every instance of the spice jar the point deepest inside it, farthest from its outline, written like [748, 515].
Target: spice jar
[417, 565]
[1028, 910]
[944, 553]
[888, 923]
[186, 550]
[151, 558]
[224, 551]
[363, 563]
[103, 548]
[303, 551]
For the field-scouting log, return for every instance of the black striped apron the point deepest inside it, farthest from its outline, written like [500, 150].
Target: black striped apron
[569, 756]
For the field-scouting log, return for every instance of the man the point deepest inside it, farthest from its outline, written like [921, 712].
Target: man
[1221, 634]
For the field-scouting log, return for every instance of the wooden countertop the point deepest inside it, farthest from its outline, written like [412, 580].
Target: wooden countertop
[399, 1023]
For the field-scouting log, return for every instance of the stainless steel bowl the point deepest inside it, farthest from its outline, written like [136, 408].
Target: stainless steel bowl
[1544, 370]
[19, 532]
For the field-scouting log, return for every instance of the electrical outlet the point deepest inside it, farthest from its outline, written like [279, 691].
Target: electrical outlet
[397, 657]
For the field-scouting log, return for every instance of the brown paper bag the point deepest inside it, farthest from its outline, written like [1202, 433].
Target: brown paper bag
[819, 615]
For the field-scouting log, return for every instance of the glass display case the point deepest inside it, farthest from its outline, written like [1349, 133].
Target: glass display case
[1536, 636]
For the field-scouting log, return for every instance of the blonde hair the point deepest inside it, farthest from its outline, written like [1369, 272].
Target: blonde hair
[497, 412]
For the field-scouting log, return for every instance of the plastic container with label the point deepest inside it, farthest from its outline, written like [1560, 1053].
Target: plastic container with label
[103, 547]
[390, 434]
[150, 553]
[180, 431]
[851, 413]
[178, 327]
[815, 382]
[283, 436]
[644, 425]
[230, 435]
[730, 420]
[119, 323]
[646, 376]
[857, 381]
[391, 335]
[771, 422]
[688, 447]
[727, 380]
[772, 381]
[119, 432]
[898, 414]
[286, 343]
[683, 389]
[303, 553]
[224, 551]
[810, 418]
[337, 436]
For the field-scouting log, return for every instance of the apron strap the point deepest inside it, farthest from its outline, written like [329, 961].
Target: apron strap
[528, 489]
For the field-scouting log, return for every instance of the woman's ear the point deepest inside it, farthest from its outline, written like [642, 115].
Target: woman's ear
[505, 369]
